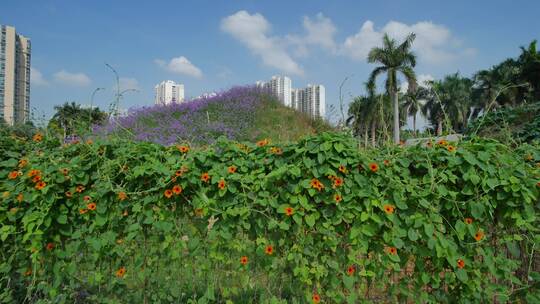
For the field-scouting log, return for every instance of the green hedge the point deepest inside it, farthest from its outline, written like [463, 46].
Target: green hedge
[448, 222]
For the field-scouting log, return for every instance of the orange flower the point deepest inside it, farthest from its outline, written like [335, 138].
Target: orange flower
[373, 167]
[389, 209]
[316, 298]
[276, 150]
[315, 183]
[442, 142]
[392, 250]
[86, 198]
[179, 173]
[13, 174]
[342, 169]
[89, 142]
[34, 172]
[338, 182]
[269, 250]
[221, 184]
[80, 189]
[122, 195]
[262, 143]
[40, 185]
[289, 211]
[28, 272]
[450, 148]
[350, 270]
[538, 184]
[121, 272]
[50, 246]
[37, 137]
[83, 211]
[68, 194]
[468, 220]
[20, 197]
[386, 162]
[168, 193]
[231, 169]
[205, 177]
[64, 171]
[91, 206]
[36, 178]
[183, 149]
[338, 198]
[429, 144]
[22, 163]
[460, 263]
[479, 235]
[177, 189]
[244, 260]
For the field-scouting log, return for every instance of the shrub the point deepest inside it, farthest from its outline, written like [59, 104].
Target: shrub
[123, 221]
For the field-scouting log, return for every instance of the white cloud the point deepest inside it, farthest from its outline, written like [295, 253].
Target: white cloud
[434, 43]
[36, 78]
[180, 65]
[74, 79]
[252, 30]
[320, 32]
[128, 84]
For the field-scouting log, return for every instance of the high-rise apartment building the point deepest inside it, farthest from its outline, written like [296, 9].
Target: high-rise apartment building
[280, 86]
[169, 92]
[14, 76]
[310, 100]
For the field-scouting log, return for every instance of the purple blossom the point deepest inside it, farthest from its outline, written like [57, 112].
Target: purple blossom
[230, 113]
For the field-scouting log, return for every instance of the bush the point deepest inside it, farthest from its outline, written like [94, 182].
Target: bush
[511, 124]
[133, 222]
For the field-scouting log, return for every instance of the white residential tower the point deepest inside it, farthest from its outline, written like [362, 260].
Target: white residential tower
[169, 92]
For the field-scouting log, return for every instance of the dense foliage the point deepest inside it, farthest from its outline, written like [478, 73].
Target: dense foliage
[519, 124]
[316, 221]
[451, 102]
[236, 114]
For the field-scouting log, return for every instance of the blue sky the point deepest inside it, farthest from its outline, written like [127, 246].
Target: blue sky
[212, 45]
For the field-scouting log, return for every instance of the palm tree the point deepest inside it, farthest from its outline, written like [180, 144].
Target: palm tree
[393, 59]
[450, 101]
[530, 67]
[358, 117]
[413, 103]
[70, 117]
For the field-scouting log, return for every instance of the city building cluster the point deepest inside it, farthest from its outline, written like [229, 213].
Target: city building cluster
[309, 100]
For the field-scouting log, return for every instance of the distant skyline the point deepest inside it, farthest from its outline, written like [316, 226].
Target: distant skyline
[213, 45]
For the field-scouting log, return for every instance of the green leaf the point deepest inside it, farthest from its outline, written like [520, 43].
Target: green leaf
[310, 220]
[62, 219]
[477, 209]
[428, 228]
[413, 236]
[462, 275]
[398, 243]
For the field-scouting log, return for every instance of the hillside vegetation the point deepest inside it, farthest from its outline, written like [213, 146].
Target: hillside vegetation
[241, 113]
